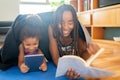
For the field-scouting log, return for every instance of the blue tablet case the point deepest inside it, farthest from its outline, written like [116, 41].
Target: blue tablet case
[34, 61]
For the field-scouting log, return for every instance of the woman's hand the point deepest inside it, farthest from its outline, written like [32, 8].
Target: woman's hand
[24, 68]
[93, 48]
[72, 74]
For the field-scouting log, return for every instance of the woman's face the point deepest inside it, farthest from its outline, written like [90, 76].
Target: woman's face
[67, 24]
[31, 44]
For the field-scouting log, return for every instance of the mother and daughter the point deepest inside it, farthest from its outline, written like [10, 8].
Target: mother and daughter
[66, 37]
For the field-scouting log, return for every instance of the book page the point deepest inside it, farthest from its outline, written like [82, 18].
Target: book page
[70, 61]
[97, 73]
[90, 60]
[79, 66]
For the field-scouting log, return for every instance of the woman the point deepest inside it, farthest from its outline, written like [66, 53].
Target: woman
[67, 38]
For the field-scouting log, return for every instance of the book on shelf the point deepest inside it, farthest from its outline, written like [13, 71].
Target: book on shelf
[81, 66]
[84, 5]
[85, 2]
[33, 61]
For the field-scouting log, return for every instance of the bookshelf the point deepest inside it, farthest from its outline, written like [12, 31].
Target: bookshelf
[74, 3]
[103, 19]
[85, 5]
[85, 14]
[99, 20]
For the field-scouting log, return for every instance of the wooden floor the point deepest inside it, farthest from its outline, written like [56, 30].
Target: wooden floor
[109, 59]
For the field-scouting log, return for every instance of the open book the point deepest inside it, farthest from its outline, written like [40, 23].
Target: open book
[34, 61]
[81, 66]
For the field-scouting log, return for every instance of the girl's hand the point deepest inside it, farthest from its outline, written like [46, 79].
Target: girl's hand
[43, 67]
[93, 48]
[72, 74]
[24, 68]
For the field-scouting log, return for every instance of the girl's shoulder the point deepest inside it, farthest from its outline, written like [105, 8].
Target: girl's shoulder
[21, 49]
[21, 46]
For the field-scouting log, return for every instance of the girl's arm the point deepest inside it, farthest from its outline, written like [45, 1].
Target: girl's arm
[53, 46]
[21, 63]
[21, 55]
[42, 67]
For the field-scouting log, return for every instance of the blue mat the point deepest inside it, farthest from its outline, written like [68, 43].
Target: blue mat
[14, 74]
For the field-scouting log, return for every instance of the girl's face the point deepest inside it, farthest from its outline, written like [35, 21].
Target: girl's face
[31, 44]
[67, 24]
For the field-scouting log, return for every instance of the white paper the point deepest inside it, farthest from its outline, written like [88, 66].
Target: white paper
[80, 66]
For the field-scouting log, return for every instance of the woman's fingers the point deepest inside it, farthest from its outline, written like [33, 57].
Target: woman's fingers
[93, 48]
[69, 73]
[72, 74]
[76, 76]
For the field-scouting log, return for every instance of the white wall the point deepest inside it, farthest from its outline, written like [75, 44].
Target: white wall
[9, 9]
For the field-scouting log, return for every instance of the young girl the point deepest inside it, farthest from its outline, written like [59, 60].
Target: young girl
[67, 37]
[30, 37]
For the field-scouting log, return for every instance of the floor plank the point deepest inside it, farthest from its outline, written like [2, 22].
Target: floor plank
[109, 59]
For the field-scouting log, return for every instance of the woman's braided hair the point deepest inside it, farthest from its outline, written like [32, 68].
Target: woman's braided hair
[58, 19]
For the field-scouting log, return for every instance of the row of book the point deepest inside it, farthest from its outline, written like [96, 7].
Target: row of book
[85, 5]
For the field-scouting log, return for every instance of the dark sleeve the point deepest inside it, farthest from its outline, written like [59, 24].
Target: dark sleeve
[9, 51]
[44, 42]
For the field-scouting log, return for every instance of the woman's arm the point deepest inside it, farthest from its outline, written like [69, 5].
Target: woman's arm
[53, 47]
[85, 51]
[93, 48]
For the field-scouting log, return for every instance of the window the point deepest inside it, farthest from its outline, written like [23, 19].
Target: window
[37, 6]
[39, 1]
[34, 6]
